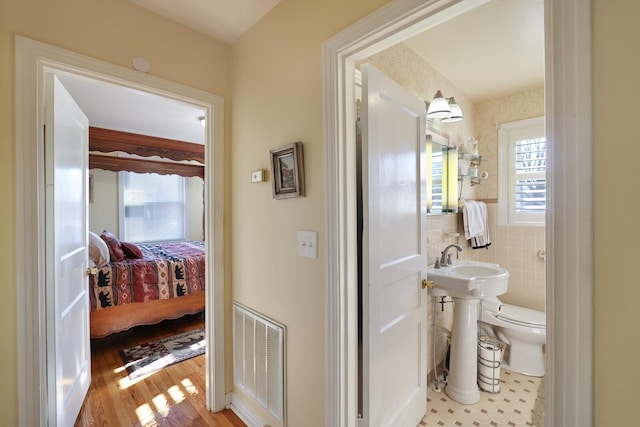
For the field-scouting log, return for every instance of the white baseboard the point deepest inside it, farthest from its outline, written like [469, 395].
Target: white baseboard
[244, 412]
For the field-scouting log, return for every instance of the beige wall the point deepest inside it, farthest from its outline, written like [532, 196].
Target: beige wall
[616, 205]
[514, 247]
[103, 211]
[277, 99]
[114, 31]
[489, 114]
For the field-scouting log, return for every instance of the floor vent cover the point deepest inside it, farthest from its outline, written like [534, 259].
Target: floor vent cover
[258, 359]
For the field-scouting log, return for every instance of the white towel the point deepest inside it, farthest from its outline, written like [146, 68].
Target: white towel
[476, 224]
[473, 221]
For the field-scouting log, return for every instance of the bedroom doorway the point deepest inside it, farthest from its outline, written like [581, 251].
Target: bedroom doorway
[34, 61]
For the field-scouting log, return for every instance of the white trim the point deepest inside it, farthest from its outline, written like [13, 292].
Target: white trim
[245, 413]
[507, 181]
[569, 234]
[33, 59]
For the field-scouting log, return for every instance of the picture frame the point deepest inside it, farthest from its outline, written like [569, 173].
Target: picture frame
[287, 171]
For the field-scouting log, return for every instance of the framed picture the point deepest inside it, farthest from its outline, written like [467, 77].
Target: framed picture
[287, 171]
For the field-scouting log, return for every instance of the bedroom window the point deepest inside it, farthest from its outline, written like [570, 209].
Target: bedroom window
[522, 182]
[152, 207]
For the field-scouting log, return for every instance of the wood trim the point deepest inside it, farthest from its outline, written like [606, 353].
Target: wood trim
[107, 140]
[116, 164]
[124, 317]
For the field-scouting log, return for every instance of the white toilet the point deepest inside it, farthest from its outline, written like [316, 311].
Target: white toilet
[523, 329]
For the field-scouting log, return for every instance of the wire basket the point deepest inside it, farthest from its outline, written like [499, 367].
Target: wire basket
[490, 352]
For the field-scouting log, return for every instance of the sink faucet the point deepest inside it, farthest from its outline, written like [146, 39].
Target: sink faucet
[443, 258]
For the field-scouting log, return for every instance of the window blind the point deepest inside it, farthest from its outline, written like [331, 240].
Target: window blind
[154, 207]
[530, 172]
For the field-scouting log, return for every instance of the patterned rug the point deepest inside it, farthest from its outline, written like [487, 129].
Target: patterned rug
[146, 358]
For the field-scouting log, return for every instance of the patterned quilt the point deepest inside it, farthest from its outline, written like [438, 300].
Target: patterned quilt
[166, 270]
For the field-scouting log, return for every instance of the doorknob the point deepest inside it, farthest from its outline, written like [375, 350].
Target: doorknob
[92, 271]
[427, 284]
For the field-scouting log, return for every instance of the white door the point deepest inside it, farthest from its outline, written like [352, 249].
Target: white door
[67, 297]
[394, 253]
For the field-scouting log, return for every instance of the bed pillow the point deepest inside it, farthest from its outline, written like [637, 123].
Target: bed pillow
[98, 250]
[115, 250]
[130, 250]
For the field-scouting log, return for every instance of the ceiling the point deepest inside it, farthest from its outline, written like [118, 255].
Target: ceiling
[224, 20]
[492, 50]
[120, 108]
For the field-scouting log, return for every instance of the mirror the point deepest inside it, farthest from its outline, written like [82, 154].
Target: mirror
[442, 174]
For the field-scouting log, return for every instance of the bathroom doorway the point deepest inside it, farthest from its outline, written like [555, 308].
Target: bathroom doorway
[570, 313]
[506, 91]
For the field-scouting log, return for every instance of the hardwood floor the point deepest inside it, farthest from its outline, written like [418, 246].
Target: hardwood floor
[173, 396]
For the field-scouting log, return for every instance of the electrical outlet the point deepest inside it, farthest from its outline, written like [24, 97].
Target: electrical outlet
[308, 244]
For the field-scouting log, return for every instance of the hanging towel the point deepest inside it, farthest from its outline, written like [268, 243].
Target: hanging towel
[476, 224]
[473, 222]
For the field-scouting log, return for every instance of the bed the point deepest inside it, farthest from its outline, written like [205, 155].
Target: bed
[166, 283]
[162, 280]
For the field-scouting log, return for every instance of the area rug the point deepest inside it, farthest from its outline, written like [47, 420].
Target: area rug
[146, 358]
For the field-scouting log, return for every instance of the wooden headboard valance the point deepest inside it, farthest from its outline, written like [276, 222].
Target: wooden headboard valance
[107, 140]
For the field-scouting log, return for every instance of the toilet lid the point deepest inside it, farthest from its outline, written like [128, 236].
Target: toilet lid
[522, 316]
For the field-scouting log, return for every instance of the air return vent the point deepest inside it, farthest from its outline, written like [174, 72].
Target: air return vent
[258, 357]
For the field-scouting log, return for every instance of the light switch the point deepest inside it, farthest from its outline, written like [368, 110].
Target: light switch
[308, 244]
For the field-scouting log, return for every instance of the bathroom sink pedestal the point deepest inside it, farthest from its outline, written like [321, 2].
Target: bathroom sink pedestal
[462, 385]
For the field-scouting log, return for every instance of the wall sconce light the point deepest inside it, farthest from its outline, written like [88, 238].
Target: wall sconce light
[443, 109]
[438, 107]
[456, 112]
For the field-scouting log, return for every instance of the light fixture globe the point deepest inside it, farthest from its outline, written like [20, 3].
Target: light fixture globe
[438, 107]
[456, 112]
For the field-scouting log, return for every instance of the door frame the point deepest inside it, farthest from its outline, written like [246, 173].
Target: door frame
[569, 234]
[33, 61]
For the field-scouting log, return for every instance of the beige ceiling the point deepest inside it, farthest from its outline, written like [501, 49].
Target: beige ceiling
[492, 50]
[224, 20]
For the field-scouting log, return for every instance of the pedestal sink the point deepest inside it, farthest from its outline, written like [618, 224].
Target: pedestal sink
[466, 282]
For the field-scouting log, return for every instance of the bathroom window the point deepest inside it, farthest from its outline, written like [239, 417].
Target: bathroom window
[522, 182]
[152, 207]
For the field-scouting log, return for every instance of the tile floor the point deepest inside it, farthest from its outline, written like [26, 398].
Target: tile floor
[513, 406]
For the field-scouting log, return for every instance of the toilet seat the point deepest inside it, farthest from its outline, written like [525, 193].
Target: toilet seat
[522, 316]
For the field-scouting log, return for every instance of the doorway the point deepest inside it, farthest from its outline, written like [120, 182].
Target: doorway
[34, 60]
[569, 283]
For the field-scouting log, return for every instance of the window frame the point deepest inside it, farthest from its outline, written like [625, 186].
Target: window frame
[508, 134]
[122, 210]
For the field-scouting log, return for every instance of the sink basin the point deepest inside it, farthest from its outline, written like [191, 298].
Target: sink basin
[469, 280]
[466, 282]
